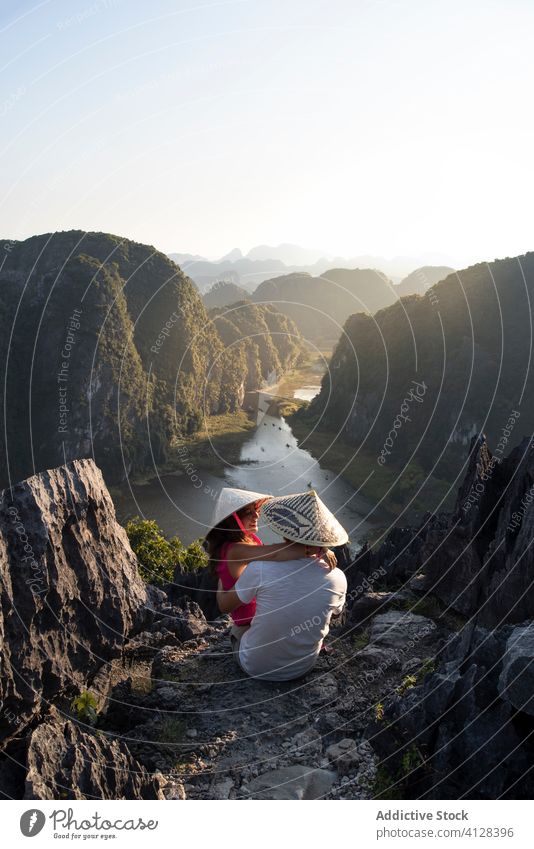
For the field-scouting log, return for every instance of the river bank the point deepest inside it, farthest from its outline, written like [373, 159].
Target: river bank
[398, 496]
[259, 454]
[253, 449]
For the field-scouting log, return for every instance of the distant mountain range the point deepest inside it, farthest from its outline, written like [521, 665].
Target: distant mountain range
[320, 305]
[265, 261]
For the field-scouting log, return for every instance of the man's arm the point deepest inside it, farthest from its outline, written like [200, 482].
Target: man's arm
[227, 600]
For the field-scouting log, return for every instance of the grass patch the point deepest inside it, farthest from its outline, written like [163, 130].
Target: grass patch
[407, 683]
[385, 786]
[224, 434]
[285, 407]
[309, 372]
[429, 606]
[221, 435]
[171, 730]
[433, 608]
[360, 641]
[394, 784]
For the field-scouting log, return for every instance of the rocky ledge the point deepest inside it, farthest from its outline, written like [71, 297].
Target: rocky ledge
[114, 689]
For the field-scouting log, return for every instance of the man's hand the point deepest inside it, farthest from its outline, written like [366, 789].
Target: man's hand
[299, 550]
[330, 558]
[320, 553]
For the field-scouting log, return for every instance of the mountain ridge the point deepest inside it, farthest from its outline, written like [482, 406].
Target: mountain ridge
[115, 350]
[466, 340]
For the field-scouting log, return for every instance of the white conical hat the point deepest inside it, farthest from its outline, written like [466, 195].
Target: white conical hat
[304, 518]
[230, 500]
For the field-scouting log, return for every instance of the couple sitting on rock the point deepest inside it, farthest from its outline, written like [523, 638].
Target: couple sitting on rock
[282, 596]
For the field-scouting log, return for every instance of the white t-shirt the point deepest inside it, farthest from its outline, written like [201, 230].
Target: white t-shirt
[294, 603]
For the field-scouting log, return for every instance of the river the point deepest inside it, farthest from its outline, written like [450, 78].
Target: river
[271, 461]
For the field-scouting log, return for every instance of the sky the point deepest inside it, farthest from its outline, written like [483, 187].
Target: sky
[350, 126]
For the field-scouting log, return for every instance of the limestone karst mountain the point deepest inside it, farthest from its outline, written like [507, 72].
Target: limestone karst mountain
[266, 340]
[414, 382]
[418, 281]
[224, 293]
[319, 306]
[106, 351]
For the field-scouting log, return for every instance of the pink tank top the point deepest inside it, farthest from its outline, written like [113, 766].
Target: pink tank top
[244, 614]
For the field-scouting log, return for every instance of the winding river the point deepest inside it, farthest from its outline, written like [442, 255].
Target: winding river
[271, 461]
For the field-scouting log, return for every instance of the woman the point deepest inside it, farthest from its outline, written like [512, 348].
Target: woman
[232, 543]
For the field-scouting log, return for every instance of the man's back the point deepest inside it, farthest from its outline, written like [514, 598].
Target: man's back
[295, 601]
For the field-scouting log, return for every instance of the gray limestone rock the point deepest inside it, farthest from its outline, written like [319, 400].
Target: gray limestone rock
[70, 589]
[67, 762]
[516, 681]
[396, 629]
[292, 782]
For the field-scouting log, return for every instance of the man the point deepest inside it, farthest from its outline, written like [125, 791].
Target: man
[295, 599]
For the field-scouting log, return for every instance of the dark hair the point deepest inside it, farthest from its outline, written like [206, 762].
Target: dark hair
[226, 531]
[318, 547]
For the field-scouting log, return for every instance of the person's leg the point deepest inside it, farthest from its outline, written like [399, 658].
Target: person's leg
[236, 633]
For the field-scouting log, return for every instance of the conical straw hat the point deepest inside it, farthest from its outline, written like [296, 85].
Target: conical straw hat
[304, 518]
[230, 500]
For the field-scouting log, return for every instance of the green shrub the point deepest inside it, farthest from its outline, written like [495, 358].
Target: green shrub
[170, 730]
[158, 556]
[408, 682]
[85, 706]
[193, 557]
[395, 783]
[427, 668]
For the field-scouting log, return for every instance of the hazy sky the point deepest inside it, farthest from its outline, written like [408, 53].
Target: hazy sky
[356, 126]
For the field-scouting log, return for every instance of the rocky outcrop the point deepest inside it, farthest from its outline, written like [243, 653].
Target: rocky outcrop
[199, 586]
[516, 681]
[116, 354]
[292, 782]
[482, 562]
[478, 560]
[411, 700]
[66, 762]
[461, 725]
[466, 731]
[70, 589]
[169, 625]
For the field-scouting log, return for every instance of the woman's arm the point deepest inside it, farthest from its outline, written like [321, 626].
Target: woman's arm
[227, 600]
[242, 553]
